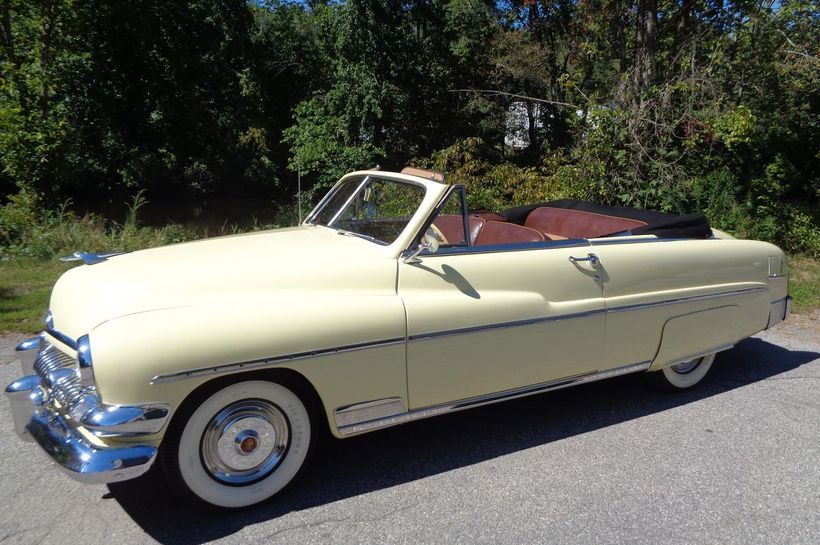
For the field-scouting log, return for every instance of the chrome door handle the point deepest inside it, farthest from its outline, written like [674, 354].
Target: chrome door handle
[592, 258]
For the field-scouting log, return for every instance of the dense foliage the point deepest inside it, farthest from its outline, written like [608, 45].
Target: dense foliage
[673, 104]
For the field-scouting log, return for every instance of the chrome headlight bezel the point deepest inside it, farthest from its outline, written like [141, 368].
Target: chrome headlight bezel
[85, 363]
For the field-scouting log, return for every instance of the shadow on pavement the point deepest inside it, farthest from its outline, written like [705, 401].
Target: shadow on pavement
[342, 469]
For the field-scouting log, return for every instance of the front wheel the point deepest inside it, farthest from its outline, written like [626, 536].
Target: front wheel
[241, 445]
[682, 375]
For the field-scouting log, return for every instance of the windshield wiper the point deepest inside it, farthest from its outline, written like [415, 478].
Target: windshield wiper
[355, 234]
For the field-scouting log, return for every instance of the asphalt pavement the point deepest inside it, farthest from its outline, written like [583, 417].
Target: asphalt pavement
[733, 461]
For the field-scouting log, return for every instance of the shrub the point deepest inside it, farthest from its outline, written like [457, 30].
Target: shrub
[28, 230]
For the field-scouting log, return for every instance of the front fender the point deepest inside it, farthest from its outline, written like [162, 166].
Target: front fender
[131, 351]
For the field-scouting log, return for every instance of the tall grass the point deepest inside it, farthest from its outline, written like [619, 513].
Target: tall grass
[27, 231]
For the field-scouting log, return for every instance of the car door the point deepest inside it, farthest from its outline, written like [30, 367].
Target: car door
[483, 320]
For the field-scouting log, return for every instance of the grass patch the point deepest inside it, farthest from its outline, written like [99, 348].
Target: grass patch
[804, 284]
[31, 241]
[25, 288]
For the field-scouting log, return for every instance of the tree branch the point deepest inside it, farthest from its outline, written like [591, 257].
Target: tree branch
[494, 92]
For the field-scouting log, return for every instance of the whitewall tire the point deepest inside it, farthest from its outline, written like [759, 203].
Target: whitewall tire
[241, 445]
[683, 375]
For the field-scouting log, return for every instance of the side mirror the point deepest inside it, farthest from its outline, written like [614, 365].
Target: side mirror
[431, 240]
[428, 242]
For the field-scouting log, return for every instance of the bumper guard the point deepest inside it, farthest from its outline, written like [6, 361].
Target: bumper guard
[76, 456]
[779, 311]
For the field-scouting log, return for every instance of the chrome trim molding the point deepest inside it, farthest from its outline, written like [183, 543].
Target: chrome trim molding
[501, 325]
[59, 335]
[523, 246]
[367, 411]
[637, 306]
[85, 364]
[635, 239]
[254, 364]
[779, 311]
[478, 401]
[63, 338]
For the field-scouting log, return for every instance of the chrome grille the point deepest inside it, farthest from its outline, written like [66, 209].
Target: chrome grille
[50, 359]
[56, 370]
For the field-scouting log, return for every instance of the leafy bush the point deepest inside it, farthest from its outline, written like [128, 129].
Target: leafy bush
[759, 212]
[29, 230]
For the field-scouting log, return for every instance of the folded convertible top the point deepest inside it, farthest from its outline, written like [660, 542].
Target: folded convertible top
[660, 224]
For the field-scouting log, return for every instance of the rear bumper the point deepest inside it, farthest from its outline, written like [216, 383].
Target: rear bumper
[779, 310]
[71, 452]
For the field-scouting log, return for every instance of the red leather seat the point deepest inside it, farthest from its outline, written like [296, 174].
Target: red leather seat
[565, 223]
[496, 232]
[452, 227]
[489, 216]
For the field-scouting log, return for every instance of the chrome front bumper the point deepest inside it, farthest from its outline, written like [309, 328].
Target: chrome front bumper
[779, 311]
[80, 459]
[37, 419]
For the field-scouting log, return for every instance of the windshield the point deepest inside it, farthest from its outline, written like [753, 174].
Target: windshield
[370, 207]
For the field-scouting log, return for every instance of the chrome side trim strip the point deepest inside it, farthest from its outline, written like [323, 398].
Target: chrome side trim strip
[520, 247]
[500, 325]
[370, 410]
[638, 239]
[637, 306]
[255, 364]
[478, 401]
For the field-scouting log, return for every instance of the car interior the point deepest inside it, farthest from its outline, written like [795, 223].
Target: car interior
[541, 224]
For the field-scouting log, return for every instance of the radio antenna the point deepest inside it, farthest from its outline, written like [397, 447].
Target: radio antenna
[299, 187]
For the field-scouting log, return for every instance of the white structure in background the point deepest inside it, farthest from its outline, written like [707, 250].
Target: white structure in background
[518, 123]
[517, 136]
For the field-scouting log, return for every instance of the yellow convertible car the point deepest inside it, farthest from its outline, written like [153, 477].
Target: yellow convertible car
[224, 359]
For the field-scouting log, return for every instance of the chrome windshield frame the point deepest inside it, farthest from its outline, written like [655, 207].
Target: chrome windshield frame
[367, 177]
[434, 214]
[348, 201]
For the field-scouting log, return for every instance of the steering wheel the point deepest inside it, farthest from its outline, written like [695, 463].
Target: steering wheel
[439, 235]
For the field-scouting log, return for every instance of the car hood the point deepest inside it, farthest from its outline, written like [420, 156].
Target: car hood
[219, 270]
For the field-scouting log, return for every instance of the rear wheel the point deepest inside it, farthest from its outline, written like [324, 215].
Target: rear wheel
[241, 445]
[682, 375]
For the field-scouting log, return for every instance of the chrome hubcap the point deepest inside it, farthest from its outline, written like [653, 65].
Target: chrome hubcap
[687, 366]
[245, 442]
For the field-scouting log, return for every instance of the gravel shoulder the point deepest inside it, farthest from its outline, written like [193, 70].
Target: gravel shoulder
[733, 461]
